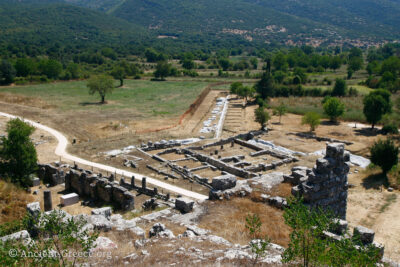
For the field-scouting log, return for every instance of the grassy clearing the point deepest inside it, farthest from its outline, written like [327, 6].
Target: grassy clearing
[147, 97]
[302, 105]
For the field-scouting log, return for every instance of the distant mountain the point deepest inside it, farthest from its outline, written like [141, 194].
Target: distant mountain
[43, 22]
[101, 5]
[199, 24]
[313, 21]
[367, 17]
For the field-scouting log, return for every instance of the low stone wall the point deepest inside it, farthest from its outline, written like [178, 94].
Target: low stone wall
[321, 139]
[220, 164]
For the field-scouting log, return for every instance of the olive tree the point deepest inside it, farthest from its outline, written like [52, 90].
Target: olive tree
[101, 84]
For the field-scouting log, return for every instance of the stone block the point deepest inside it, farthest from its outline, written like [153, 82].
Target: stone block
[69, 199]
[339, 227]
[224, 182]
[366, 235]
[184, 205]
[106, 212]
[35, 181]
[33, 209]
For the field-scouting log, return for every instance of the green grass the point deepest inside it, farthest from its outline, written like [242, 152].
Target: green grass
[147, 97]
[389, 199]
[302, 105]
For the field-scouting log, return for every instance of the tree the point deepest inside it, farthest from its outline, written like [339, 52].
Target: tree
[73, 69]
[376, 104]
[51, 68]
[279, 62]
[266, 87]
[340, 88]
[254, 62]
[312, 119]
[224, 63]
[261, 116]
[24, 67]
[7, 72]
[334, 108]
[18, 154]
[101, 84]
[384, 154]
[280, 110]
[119, 73]
[235, 87]
[335, 63]
[151, 55]
[355, 63]
[308, 246]
[245, 92]
[60, 240]
[188, 64]
[163, 69]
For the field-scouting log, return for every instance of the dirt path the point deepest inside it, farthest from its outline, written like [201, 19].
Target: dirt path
[61, 151]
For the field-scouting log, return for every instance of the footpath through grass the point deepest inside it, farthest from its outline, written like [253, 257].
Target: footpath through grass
[146, 97]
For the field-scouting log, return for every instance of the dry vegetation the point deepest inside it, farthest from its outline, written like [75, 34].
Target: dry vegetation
[13, 202]
[228, 218]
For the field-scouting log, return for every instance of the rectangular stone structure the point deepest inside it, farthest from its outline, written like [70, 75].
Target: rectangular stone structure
[69, 199]
[35, 181]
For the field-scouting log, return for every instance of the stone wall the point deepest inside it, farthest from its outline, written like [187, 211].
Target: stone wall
[50, 174]
[325, 186]
[99, 189]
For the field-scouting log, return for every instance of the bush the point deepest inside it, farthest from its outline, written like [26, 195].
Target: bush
[384, 154]
[334, 108]
[390, 129]
[312, 119]
[261, 116]
[394, 176]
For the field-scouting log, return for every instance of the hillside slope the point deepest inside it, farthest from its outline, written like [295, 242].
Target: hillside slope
[45, 23]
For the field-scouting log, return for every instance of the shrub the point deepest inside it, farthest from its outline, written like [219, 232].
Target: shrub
[390, 129]
[261, 116]
[312, 119]
[334, 108]
[394, 176]
[307, 246]
[384, 153]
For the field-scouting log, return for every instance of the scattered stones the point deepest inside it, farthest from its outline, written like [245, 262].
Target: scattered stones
[106, 212]
[100, 223]
[103, 243]
[18, 236]
[159, 230]
[150, 204]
